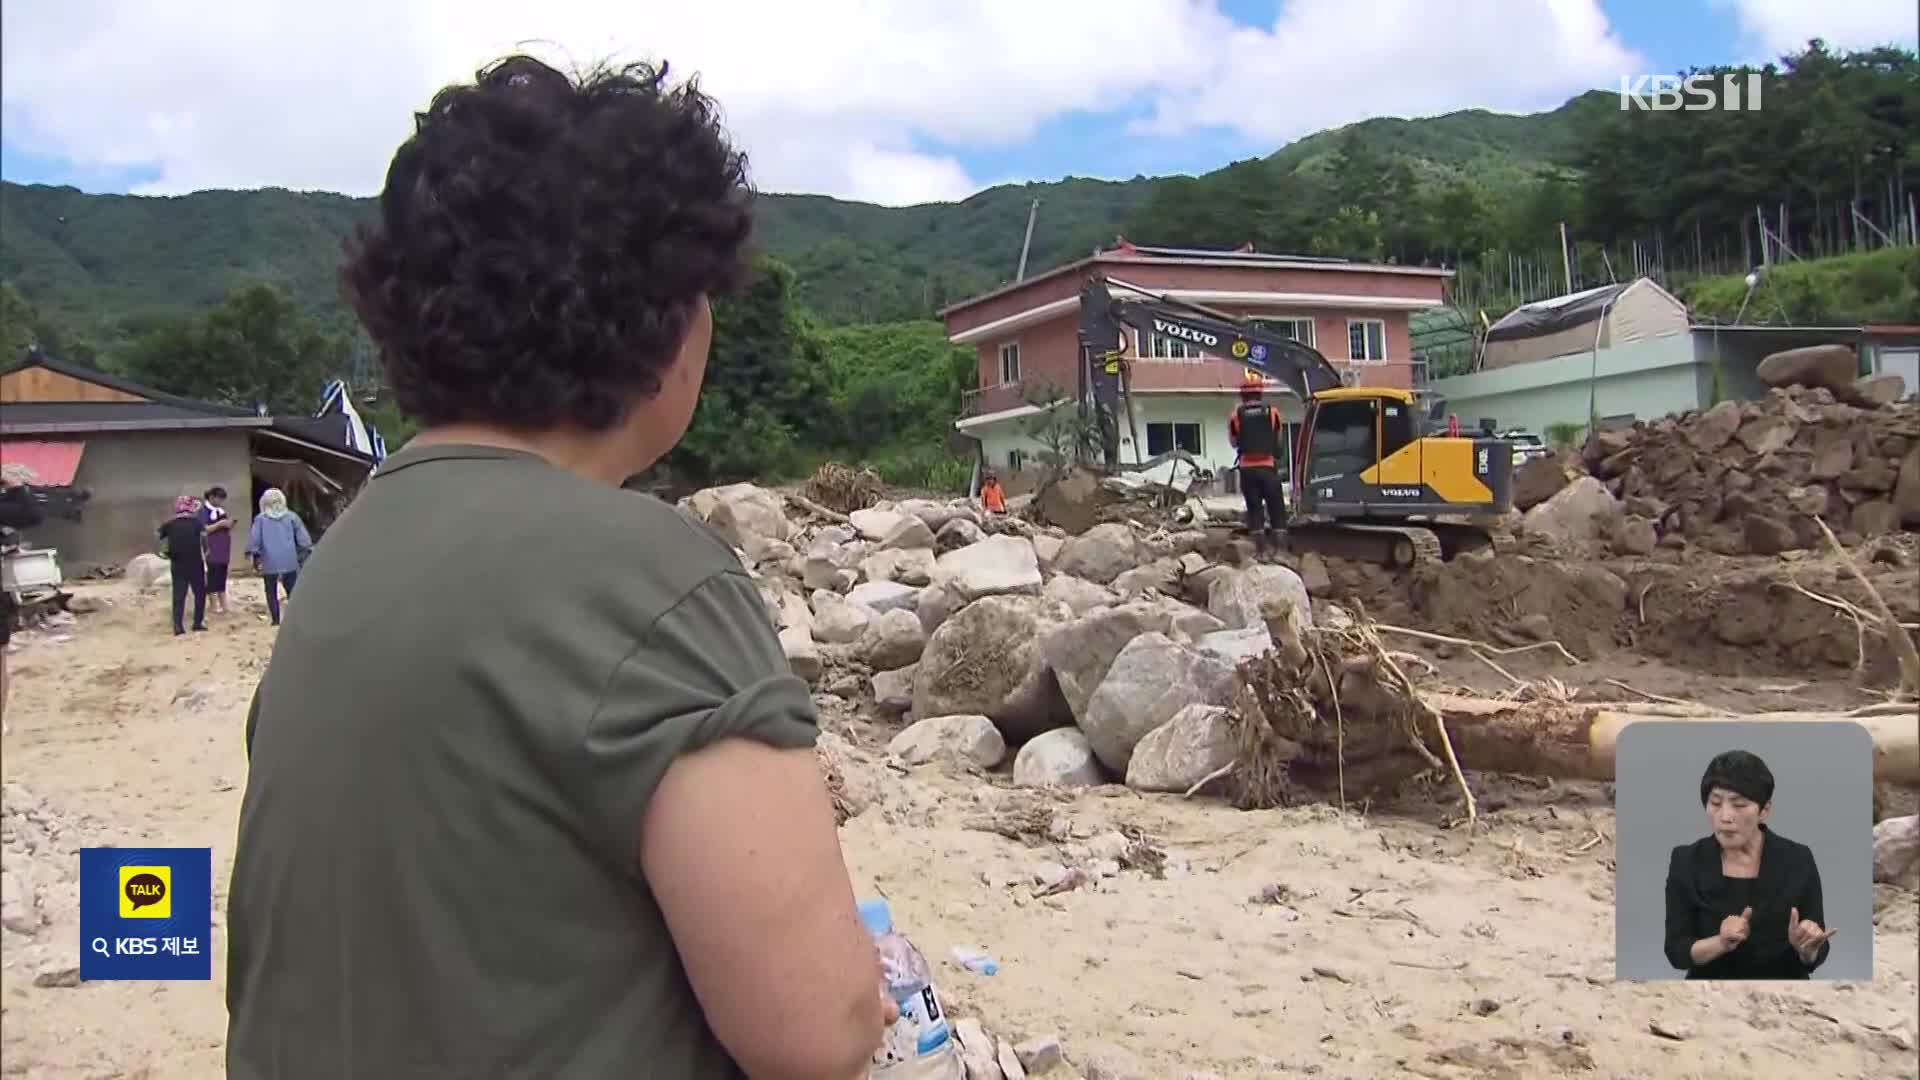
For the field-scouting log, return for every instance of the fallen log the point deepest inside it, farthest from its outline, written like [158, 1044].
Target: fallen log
[1578, 741]
[1329, 711]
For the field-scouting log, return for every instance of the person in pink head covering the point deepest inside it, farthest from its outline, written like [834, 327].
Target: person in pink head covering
[183, 541]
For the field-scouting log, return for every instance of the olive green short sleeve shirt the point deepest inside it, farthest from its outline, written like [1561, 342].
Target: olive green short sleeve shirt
[488, 666]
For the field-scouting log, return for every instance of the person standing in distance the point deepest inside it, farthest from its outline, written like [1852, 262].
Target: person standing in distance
[1743, 902]
[526, 799]
[219, 524]
[183, 539]
[1255, 430]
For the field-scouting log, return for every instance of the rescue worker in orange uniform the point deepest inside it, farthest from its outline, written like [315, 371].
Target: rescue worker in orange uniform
[1255, 430]
[993, 498]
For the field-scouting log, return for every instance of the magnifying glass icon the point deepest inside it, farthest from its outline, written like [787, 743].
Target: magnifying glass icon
[100, 946]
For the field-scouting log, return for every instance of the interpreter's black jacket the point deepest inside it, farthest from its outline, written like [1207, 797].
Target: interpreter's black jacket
[1699, 897]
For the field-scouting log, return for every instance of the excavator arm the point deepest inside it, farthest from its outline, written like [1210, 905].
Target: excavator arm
[1229, 337]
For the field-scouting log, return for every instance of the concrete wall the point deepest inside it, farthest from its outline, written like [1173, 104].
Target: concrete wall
[1643, 379]
[134, 477]
[1903, 361]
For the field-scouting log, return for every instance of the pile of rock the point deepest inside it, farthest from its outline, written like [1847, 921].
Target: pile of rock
[1104, 655]
[1743, 477]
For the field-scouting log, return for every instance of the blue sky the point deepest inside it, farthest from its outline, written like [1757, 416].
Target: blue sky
[900, 103]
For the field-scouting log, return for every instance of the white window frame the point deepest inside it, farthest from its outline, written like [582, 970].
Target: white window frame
[1173, 435]
[1308, 321]
[1176, 350]
[1009, 372]
[1016, 459]
[1382, 324]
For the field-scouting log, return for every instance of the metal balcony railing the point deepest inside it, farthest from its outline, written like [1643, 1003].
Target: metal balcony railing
[992, 399]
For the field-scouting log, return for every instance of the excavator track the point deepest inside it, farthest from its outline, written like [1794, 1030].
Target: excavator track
[1396, 546]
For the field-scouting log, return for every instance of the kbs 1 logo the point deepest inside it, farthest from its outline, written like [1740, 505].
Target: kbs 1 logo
[1690, 93]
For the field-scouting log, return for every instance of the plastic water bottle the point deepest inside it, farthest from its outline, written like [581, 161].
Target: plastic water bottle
[919, 1045]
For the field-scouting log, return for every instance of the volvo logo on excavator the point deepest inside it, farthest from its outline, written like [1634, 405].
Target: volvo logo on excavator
[1186, 333]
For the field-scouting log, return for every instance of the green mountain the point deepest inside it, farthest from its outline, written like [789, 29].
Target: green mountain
[1483, 192]
[106, 264]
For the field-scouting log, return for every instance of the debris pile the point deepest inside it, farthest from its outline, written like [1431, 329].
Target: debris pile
[841, 488]
[1107, 655]
[1750, 477]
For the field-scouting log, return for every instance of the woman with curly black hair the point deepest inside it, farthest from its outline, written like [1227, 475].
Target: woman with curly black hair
[1743, 902]
[532, 789]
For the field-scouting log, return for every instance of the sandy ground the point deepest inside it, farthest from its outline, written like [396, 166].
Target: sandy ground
[1281, 943]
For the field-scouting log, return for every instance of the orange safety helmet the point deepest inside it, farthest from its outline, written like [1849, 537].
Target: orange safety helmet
[1252, 384]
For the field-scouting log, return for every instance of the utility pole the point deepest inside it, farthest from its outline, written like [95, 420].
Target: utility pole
[1566, 260]
[1027, 244]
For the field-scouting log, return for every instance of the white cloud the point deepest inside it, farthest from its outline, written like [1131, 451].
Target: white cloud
[834, 96]
[1325, 63]
[1777, 27]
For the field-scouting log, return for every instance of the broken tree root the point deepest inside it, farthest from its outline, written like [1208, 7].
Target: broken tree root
[1903, 646]
[1477, 646]
[1328, 706]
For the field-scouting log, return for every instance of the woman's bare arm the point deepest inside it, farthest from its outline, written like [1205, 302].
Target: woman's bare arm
[740, 850]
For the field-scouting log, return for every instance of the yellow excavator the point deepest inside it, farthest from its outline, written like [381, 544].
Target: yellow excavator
[1370, 481]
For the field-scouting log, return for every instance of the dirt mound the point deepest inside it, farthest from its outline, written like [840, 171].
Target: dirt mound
[1741, 617]
[1723, 615]
[1749, 476]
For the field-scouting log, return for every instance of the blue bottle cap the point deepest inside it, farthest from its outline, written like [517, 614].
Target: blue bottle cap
[877, 916]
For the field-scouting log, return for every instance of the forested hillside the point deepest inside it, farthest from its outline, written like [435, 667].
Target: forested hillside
[835, 350]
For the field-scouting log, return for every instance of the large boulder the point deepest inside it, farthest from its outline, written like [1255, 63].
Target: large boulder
[1080, 596]
[743, 514]
[912, 532]
[803, 655]
[1896, 850]
[1057, 758]
[935, 604]
[1233, 646]
[1153, 678]
[828, 561]
[884, 595]
[1161, 576]
[838, 621]
[969, 740]
[1181, 753]
[1711, 429]
[1580, 514]
[893, 690]
[893, 639]
[876, 523]
[148, 571]
[1834, 367]
[936, 515]
[1906, 489]
[1073, 501]
[908, 566]
[1538, 480]
[995, 566]
[957, 533]
[987, 659]
[1081, 651]
[1873, 391]
[1237, 597]
[1100, 554]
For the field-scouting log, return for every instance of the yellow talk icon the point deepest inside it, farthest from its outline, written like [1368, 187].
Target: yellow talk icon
[146, 892]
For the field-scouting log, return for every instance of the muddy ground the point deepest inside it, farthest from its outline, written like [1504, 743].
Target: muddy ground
[1303, 941]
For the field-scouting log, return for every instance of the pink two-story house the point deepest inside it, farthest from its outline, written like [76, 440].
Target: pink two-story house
[1027, 338]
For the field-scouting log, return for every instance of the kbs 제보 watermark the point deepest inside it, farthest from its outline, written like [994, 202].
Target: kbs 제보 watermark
[1732, 91]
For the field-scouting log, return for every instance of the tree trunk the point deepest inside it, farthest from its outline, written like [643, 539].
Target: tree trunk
[1577, 741]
